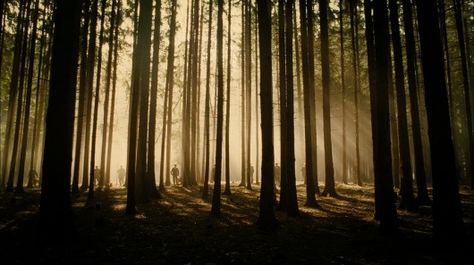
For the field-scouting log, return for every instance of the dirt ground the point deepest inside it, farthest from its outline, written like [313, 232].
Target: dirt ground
[179, 230]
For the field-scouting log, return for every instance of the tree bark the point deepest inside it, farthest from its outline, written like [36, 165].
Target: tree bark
[447, 214]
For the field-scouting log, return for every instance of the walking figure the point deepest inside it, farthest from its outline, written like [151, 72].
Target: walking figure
[121, 176]
[175, 174]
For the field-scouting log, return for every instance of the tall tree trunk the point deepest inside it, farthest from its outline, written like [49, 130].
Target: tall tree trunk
[227, 119]
[92, 168]
[150, 174]
[144, 30]
[91, 56]
[266, 219]
[205, 192]
[38, 114]
[447, 214]
[29, 88]
[406, 188]
[82, 97]
[19, 109]
[420, 173]
[13, 92]
[169, 86]
[55, 207]
[114, 88]
[292, 200]
[283, 105]
[385, 209]
[458, 14]
[248, 83]
[216, 195]
[329, 186]
[308, 101]
[343, 92]
[103, 157]
[355, 66]
[243, 116]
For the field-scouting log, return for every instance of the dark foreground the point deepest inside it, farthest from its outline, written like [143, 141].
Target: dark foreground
[178, 230]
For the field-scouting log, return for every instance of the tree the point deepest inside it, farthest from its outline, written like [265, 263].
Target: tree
[92, 170]
[420, 173]
[91, 56]
[384, 200]
[343, 91]
[150, 172]
[406, 188]
[305, 5]
[29, 88]
[330, 187]
[292, 200]
[114, 88]
[170, 85]
[103, 156]
[206, 108]
[447, 214]
[266, 218]
[227, 113]
[82, 96]
[458, 14]
[216, 195]
[55, 207]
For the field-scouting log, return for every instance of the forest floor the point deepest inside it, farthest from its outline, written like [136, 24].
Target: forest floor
[178, 229]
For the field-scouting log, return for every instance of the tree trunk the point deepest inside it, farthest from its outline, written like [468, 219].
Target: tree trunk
[55, 207]
[308, 101]
[420, 174]
[150, 173]
[114, 88]
[384, 200]
[205, 191]
[13, 93]
[103, 157]
[406, 188]
[292, 200]
[92, 168]
[29, 88]
[82, 97]
[21, 84]
[329, 186]
[91, 55]
[227, 119]
[266, 219]
[216, 195]
[447, 214]
[458, 14]
[343, 93]
[170, 85]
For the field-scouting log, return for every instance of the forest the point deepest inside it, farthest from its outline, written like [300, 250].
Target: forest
[236, 131]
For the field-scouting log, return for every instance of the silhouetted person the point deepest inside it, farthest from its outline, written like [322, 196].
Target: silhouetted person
[34, 178]
[213, 173]
[252, 170]
[303, 173]
[277, 174]
[175, 174]
[96, 175]
[121, 176]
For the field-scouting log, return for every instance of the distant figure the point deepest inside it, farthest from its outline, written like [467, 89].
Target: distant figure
[277, 173]
[121, 176]
[175, 174]
[34, 178]
[96, 175]
[303, 173]
[213, 173]
[251, 174]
